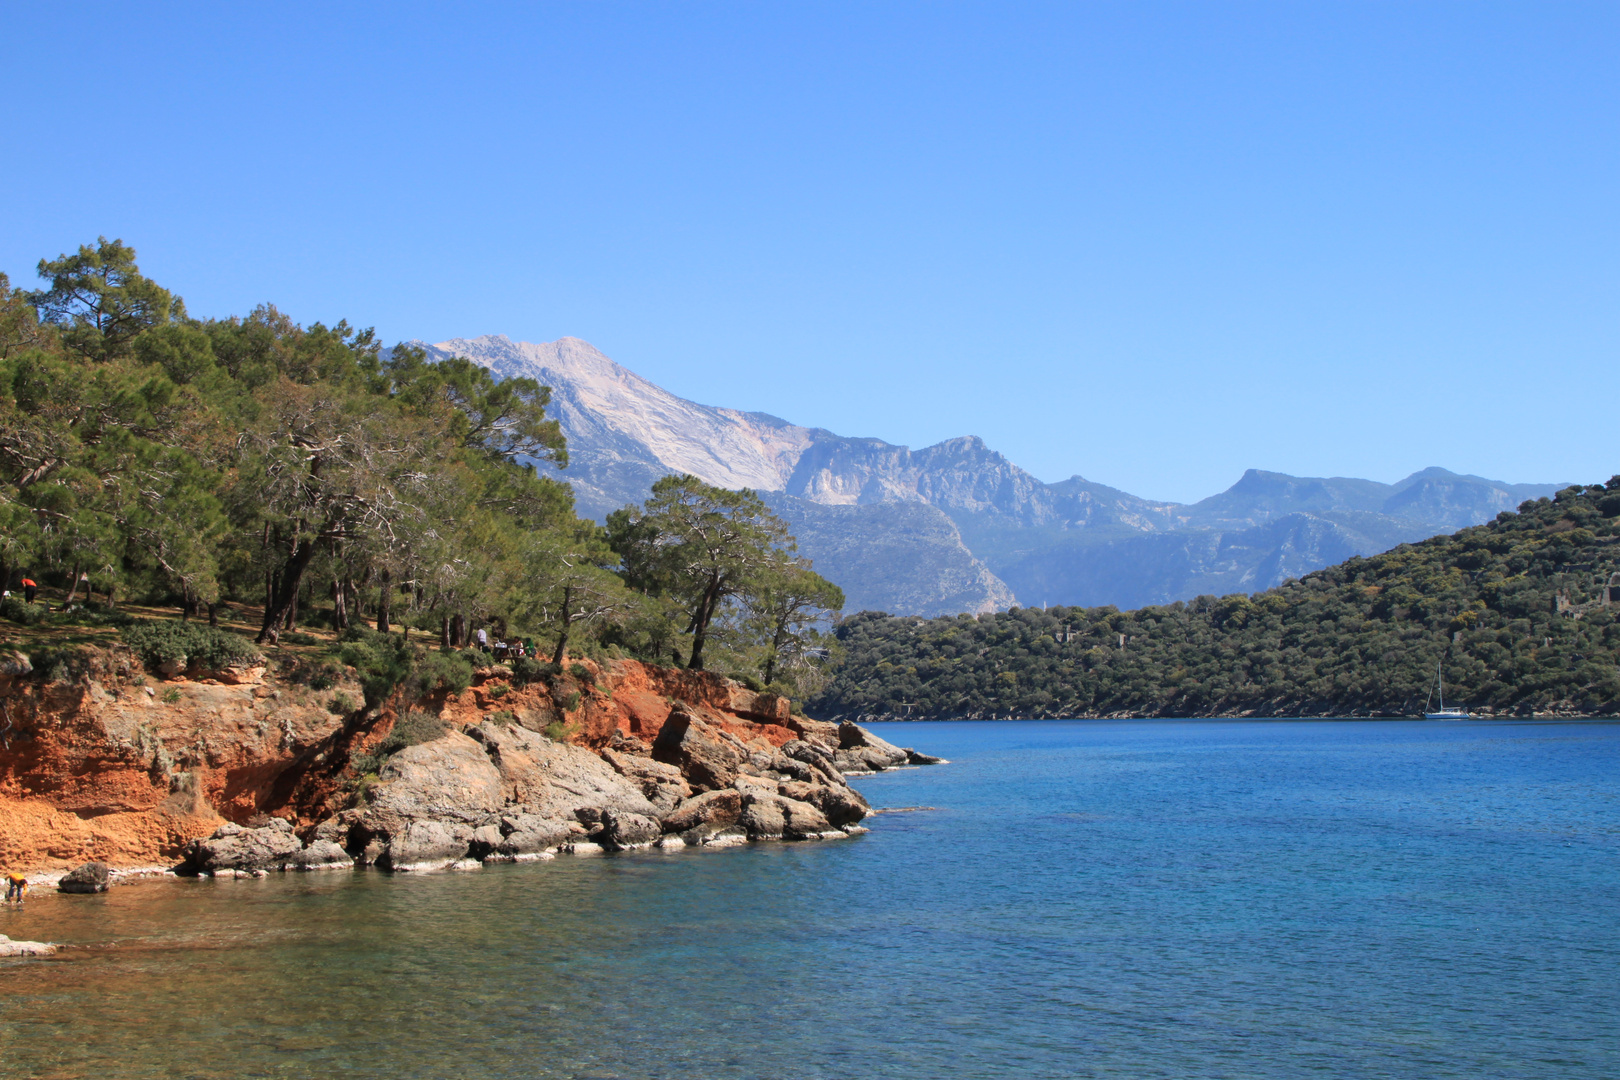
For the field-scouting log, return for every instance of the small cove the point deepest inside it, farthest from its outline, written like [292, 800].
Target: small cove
[1109, 899]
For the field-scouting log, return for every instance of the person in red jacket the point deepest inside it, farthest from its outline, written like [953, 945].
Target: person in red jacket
[30, 590]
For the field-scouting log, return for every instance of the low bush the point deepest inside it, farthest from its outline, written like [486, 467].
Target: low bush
[189, 643]
[14, 609]
[528, 669]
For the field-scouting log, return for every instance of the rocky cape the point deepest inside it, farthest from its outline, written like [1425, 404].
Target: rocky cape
[957, 527]
[241, 772]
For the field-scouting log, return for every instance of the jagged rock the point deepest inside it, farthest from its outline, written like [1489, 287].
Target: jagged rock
[621, 831]
[923, 759]
[814, 754]
[841, 804]
[232, 847]
[15, 664]
[704, 755]
[823, 733]
[321, 855]
[767, 816]
[661, 783]
[425, 845]
[715, 809]
[92, 877]
[555, 779]
[771, 708]
[449, 778]
[25, 948]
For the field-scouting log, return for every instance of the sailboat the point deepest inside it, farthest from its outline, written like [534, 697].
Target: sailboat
[1444, 713]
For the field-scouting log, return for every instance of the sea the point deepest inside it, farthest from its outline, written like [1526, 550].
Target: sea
[1177, 899]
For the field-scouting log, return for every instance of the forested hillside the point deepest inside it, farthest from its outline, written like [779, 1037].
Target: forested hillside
[304, 475]
[1516, 612]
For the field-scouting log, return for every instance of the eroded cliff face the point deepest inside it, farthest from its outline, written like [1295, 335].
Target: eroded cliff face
[242, 771]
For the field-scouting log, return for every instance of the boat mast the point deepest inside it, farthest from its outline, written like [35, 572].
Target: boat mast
[1441, 683]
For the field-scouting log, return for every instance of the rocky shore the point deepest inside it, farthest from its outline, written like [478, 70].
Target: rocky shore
[250, 774]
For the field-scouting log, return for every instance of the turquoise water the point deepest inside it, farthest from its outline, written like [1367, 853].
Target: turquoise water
[1090, 899]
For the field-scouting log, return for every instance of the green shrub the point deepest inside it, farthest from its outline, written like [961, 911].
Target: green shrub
[59, 663]
[295, 638]
[386, 663]
[189, 643]
[503, 717]
[557, 731]
[499, 690]
[13, 608]
[341, 704]
[580, 672]
[451, 672]
[528, 669]
[571, 702]
[747, 680]
[171, 695]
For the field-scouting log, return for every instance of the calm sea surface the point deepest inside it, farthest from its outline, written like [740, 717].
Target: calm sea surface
[1089, 899]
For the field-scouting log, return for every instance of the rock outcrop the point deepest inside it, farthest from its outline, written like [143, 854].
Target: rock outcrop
[250, 779]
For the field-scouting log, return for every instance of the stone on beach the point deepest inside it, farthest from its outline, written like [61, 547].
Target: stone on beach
[92, 877]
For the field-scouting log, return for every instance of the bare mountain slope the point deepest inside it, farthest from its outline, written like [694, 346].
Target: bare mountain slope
[958, 527]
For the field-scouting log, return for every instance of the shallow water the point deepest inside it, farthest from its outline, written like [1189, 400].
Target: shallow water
[1090, 899]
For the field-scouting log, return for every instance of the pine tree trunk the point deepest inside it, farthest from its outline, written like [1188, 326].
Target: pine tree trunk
[382, 604]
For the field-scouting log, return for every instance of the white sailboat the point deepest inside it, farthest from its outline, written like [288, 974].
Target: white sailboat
[1453, 713]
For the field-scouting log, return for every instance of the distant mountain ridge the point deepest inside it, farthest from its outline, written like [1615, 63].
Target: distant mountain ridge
[957, 526]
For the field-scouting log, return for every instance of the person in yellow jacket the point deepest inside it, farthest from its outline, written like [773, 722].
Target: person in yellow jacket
[16, 885]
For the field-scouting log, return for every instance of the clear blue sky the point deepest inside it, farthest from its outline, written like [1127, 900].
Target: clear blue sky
[1155, 244]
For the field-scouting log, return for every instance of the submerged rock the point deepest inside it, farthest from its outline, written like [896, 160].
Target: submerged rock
[25, 948]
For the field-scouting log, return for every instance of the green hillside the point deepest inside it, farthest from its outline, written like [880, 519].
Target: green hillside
[1515, 611]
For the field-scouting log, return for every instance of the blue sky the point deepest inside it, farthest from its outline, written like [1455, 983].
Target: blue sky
[1154, 244]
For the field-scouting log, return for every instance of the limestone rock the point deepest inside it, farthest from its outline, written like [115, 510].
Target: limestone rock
[321, 855]
[448, 778]
[769, 816]
[25, 948]
[92, 877]
[841, 804]
[771, 708]
[703, 754]
[553, 779]
[661, 783]
[531, 834]
[923, 759]
[716, 809]
[621, 830]
[425, 845]
[233, 847]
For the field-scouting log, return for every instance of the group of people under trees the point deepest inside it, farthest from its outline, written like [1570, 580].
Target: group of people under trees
[311, 473]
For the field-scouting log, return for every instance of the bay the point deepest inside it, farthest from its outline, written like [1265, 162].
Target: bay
[1085, 899]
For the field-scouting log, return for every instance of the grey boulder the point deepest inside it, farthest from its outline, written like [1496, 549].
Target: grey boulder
[232, 847]
[621, 831]
[92, 877]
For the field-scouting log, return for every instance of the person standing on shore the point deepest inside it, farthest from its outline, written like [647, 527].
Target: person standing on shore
[30, 590]
[16, 886]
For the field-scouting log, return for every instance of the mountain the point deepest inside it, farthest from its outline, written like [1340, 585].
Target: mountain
[957, 526]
